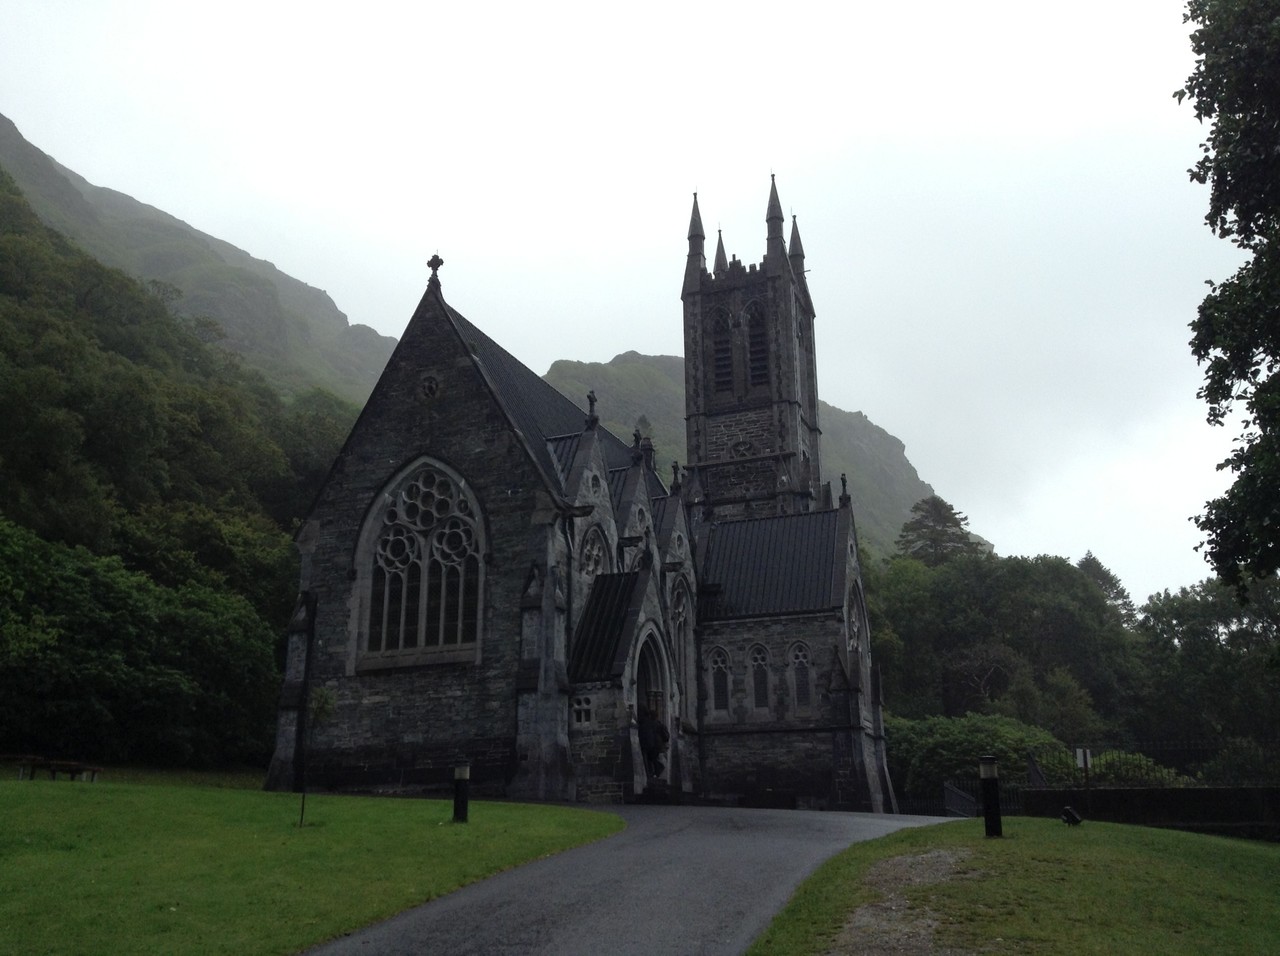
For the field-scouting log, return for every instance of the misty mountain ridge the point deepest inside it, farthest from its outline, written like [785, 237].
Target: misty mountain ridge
[295, 334]
[285, 328]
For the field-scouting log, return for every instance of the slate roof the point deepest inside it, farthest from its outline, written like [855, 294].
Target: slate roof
[563, 449]
[538, 410]
[777, 565]
[661, 505]
[598, 640]
[618, 481]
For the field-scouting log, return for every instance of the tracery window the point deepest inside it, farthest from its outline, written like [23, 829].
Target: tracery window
[427, 576]
[760, 677]
[595, 554]
[718, 664]
[582, 710]
[801, 676]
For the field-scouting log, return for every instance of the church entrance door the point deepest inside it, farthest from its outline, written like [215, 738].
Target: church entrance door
[653, 716]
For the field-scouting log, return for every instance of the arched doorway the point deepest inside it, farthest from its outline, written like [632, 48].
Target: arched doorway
[654, 739]
[651, 685]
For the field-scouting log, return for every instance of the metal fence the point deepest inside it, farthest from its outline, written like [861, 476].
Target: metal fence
[1183, 763]
[1136, 764]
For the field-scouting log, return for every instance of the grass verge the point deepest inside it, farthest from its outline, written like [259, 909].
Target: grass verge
[1046, 888]
[129, 868]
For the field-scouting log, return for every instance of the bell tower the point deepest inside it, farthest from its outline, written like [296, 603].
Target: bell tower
[751, 394]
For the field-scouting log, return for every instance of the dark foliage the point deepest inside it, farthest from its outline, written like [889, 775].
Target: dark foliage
[126, 434]
[1236, 334]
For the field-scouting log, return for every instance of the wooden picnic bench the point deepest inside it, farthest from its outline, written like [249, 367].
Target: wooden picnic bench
[29, 764]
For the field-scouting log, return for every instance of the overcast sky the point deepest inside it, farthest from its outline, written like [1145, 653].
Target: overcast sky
[1004, 247]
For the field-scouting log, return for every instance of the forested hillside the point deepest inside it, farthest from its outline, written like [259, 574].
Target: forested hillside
[278, 325]
[150, 480]
[647, 391]
[147, 484]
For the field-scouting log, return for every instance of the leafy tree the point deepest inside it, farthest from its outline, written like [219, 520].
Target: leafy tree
[1116, 593]
[1031, 638]
[935, 532]
[1236, 334]
[1210, 663]
[923, 754]
[98, 662]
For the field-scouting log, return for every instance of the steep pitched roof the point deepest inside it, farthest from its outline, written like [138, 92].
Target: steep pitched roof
[599, 639]
[778, 565]
[536, 408]
[564, 448]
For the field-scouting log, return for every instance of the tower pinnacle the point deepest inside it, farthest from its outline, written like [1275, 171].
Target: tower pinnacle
[697, 263]
[773, 218]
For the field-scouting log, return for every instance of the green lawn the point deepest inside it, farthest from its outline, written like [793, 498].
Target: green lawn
[1047, 888]
[113, 867]
[199, 864]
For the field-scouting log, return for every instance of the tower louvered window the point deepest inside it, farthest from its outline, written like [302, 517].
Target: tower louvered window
[426, 582]
[721, 357]
[757, 350]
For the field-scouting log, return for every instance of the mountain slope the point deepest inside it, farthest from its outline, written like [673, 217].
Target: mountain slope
[279, 325]
[882, 482]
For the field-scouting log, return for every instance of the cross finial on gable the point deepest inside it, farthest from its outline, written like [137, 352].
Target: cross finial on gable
[435, 262]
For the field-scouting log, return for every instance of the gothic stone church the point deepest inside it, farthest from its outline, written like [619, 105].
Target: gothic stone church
[491, 576]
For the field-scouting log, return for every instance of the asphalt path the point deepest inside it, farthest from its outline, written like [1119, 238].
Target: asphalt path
[677, 880]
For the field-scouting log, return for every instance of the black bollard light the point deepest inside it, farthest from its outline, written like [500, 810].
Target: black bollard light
[990, 776]
[461, 791]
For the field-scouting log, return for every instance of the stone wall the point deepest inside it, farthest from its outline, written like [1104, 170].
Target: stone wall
[782, 752]
[600, 748]
[738, 434]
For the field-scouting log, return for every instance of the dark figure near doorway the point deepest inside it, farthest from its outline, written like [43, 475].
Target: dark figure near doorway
[653, 739]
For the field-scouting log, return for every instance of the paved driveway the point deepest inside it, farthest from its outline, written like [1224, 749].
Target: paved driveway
[678, 880]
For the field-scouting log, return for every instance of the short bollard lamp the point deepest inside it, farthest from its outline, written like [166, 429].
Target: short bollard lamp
[989, 774]
[461, 788]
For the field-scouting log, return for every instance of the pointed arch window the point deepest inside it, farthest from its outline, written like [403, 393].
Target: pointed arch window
[425, 574]
[760, 677]
[718, 664]
[801, 676]
[680, 622]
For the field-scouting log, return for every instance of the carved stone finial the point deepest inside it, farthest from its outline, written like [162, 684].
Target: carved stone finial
[635, 439]
[435, 262]
[675, 472]
[844, 484]
[591, 402]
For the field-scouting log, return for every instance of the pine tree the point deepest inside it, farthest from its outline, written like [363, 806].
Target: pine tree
[935, 533]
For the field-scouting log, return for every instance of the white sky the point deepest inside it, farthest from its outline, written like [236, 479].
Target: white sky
[1004, 247]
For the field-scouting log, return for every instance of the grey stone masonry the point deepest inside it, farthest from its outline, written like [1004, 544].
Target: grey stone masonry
[409, 725]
